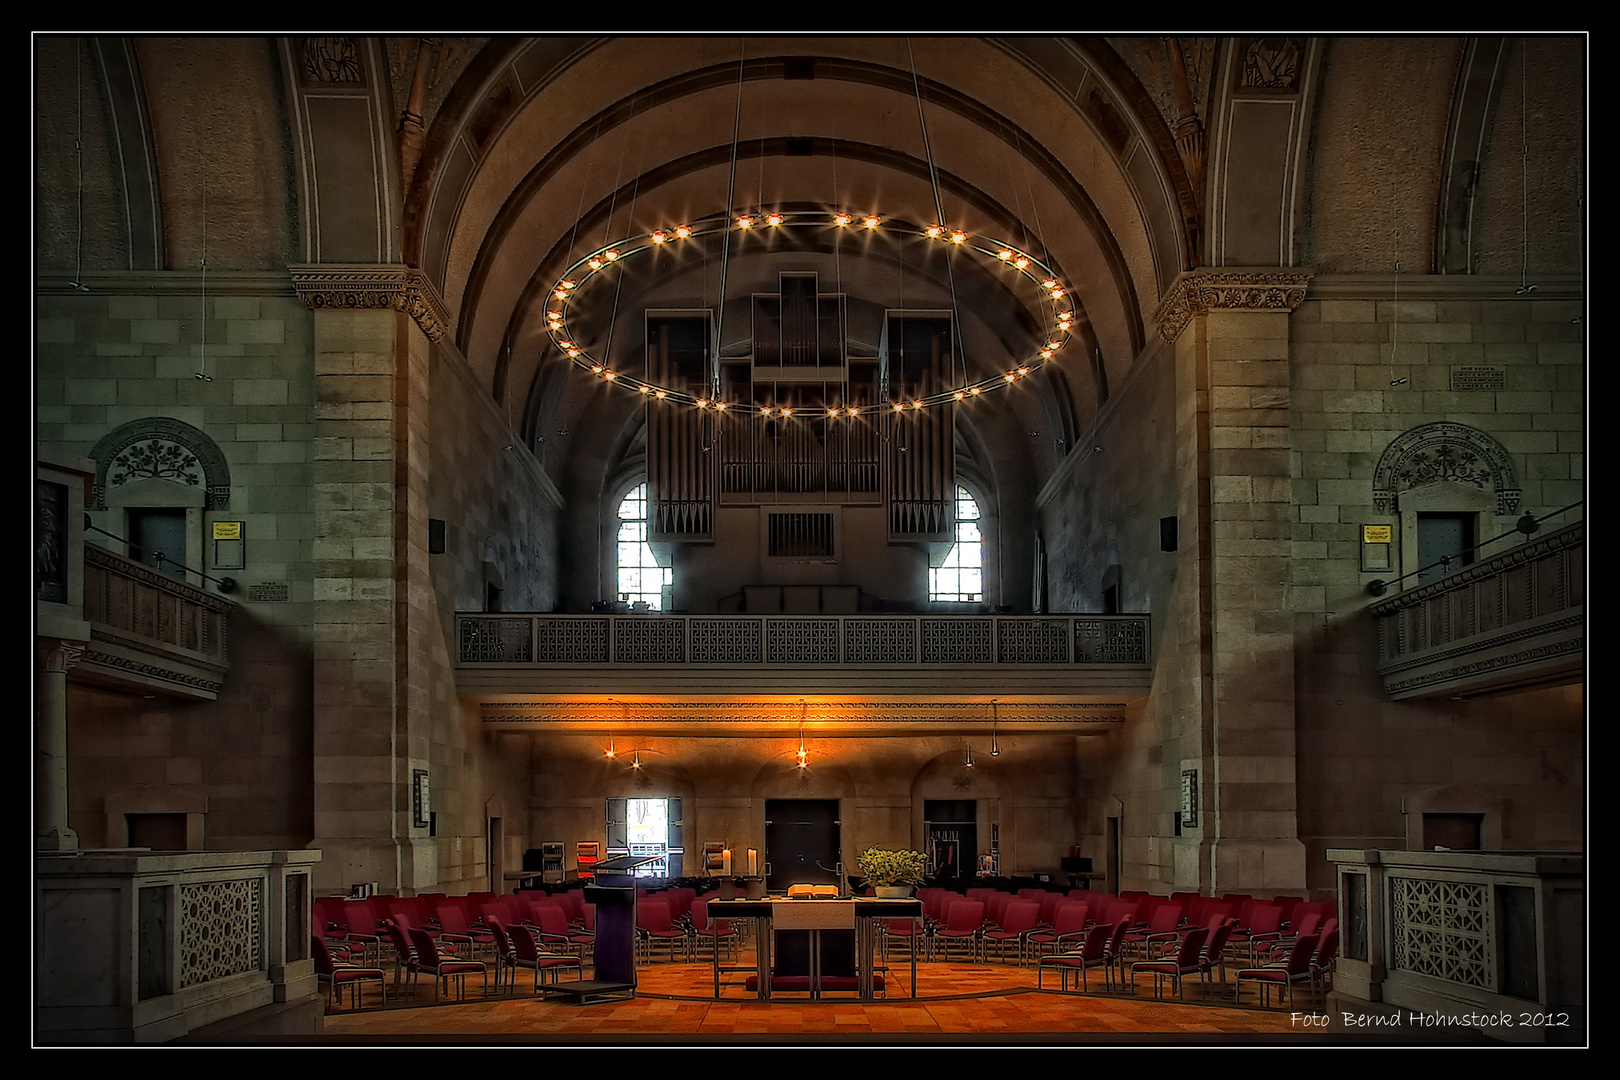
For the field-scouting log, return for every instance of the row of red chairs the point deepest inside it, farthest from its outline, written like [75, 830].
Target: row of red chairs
[446, 936]
[1033, 920]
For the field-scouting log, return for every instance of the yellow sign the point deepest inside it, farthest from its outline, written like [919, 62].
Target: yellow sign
[227, 530]
[1378, 534]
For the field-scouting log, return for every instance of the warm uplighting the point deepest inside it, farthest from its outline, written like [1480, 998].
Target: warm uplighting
[635, 762]
[841, 219]
[683, 231]
[773, 219]
[873, 221]
[958, 237]
[660, 237]
[745, 222]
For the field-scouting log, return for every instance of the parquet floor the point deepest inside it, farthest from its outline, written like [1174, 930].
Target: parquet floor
[957, 1003]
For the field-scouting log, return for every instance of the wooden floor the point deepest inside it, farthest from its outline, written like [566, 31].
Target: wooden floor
[957, 1003]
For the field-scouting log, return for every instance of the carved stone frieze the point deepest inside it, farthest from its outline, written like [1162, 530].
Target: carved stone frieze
[887, 714]
[161, 447]
[119, 663]
[394, 288]
[1485, 669]
[1445, 452]
[1201, 291]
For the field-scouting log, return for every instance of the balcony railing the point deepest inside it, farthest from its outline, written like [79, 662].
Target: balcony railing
[1489, 941]
[1065, 653]
[1511, 621]
[150, 631]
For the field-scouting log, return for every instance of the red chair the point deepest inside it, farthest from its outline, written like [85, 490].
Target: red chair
[1185, 962]
[1297, 969]
[714, 932]
[518, 950]
[895, 931]
[1212, 958]
[1093, 953]
[1326, 953]
[551, 925]
[1067, 927]
[654, 927]
[963, 922]
[1264, 924]
[1018, 919]
[404, 956]
[456, 930]
[1161, 927]
[443, 968]
[336, 974]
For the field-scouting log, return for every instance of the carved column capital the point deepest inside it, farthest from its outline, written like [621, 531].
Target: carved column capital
[1198, 292]
[370, 285]
[58, 655]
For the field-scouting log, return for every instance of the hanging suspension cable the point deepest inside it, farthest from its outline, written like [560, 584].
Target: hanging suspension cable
[725, 243]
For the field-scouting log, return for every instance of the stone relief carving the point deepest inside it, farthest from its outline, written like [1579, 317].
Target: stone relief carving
[160, 447]
[155, 459]
[1271, 63]
[1445, 451]
[332, 59]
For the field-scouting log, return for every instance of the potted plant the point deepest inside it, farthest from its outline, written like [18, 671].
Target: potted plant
[892, 871]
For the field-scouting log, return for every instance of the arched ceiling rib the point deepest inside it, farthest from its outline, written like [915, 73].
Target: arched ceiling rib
[994, 166]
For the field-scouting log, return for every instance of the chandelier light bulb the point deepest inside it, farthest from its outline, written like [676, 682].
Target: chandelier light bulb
[1031, 268]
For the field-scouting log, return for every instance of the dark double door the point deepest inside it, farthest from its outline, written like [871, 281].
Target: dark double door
[801, 842]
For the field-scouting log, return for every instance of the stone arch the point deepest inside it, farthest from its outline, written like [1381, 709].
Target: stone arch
[161, 448]
[1445, 452]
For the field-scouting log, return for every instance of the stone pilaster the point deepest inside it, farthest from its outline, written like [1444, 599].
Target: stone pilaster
[372, 727]
[1232, 353]
[51, 831]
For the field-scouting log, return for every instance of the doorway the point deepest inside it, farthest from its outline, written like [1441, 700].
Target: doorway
[157, 537]
[801, 843]
[951, 838]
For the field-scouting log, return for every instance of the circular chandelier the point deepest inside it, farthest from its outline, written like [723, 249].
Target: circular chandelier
[1008, 259]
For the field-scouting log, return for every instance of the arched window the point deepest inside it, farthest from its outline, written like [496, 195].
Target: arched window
[641, 579]
[961, 576]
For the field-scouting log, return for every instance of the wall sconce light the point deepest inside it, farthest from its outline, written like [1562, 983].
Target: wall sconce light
[995, 720]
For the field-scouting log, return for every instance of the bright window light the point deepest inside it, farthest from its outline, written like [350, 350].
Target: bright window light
[961, 576]
[641, 579]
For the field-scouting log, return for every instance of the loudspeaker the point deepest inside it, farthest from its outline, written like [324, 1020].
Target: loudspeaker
[1167, 534]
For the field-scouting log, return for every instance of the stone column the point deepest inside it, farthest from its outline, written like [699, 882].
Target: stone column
[51, 831]
[372, 328]
[1230, 327]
